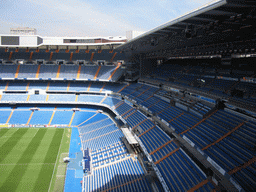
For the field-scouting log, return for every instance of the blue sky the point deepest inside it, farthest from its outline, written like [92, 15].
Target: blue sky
[91, 17]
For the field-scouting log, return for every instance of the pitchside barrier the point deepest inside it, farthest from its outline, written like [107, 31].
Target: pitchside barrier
[4, 125]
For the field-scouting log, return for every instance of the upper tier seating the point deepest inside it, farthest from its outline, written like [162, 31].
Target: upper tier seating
[108, 55]
[88, 72]
[48, 71]
[207, 81]
[68, 71]
[27, 71]
[105, 72]
[118, 73]
[7, 71]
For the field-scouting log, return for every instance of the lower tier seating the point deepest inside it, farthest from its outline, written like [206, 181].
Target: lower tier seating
[126, 175]
[99, 133]
[109, 154]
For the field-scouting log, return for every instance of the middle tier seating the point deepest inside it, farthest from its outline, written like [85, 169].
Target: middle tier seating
[85, 86]
[67, 72]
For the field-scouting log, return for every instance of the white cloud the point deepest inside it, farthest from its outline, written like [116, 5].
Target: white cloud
[82, 17]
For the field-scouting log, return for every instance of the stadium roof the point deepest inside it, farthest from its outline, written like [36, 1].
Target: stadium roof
[227, 15]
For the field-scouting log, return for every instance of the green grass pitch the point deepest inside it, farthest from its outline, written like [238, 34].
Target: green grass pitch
[28, 157]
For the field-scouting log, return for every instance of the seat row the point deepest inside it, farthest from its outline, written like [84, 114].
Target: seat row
[71, 72]
[109, 154]
[60, 86]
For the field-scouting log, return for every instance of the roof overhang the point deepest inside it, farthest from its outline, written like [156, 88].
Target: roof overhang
[218, 22]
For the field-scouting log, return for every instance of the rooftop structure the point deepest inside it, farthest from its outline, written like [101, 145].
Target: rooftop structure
[23, 31]
[62, 42]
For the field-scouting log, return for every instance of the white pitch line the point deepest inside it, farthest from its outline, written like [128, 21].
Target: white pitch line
[5, 137]
[57, 158]
[36, 132]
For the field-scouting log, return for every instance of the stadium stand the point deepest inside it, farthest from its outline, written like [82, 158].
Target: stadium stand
[185, 90]
[20, 86]
[62, 98]
[62, 86]
[8, 71]
[79, 86]
[37, 85]
[14, 97]
[146, 96]
[125, 175]
[68, 72]
[48, 71]
[27, 71]
[41, 117]
[181, 173]
[88, 72]
[19, 117]
[5, 114]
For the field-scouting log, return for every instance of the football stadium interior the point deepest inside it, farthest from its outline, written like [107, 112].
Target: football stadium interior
[173, 109]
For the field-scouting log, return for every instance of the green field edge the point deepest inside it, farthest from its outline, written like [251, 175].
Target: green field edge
[57, 182]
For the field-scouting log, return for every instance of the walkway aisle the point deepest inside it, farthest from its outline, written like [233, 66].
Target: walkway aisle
[74, 174]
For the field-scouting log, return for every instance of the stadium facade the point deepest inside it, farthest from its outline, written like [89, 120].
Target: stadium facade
[173, 109]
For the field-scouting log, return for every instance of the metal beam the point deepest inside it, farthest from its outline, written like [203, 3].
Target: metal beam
[166, 30]
[203, 9]
[197, 18]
